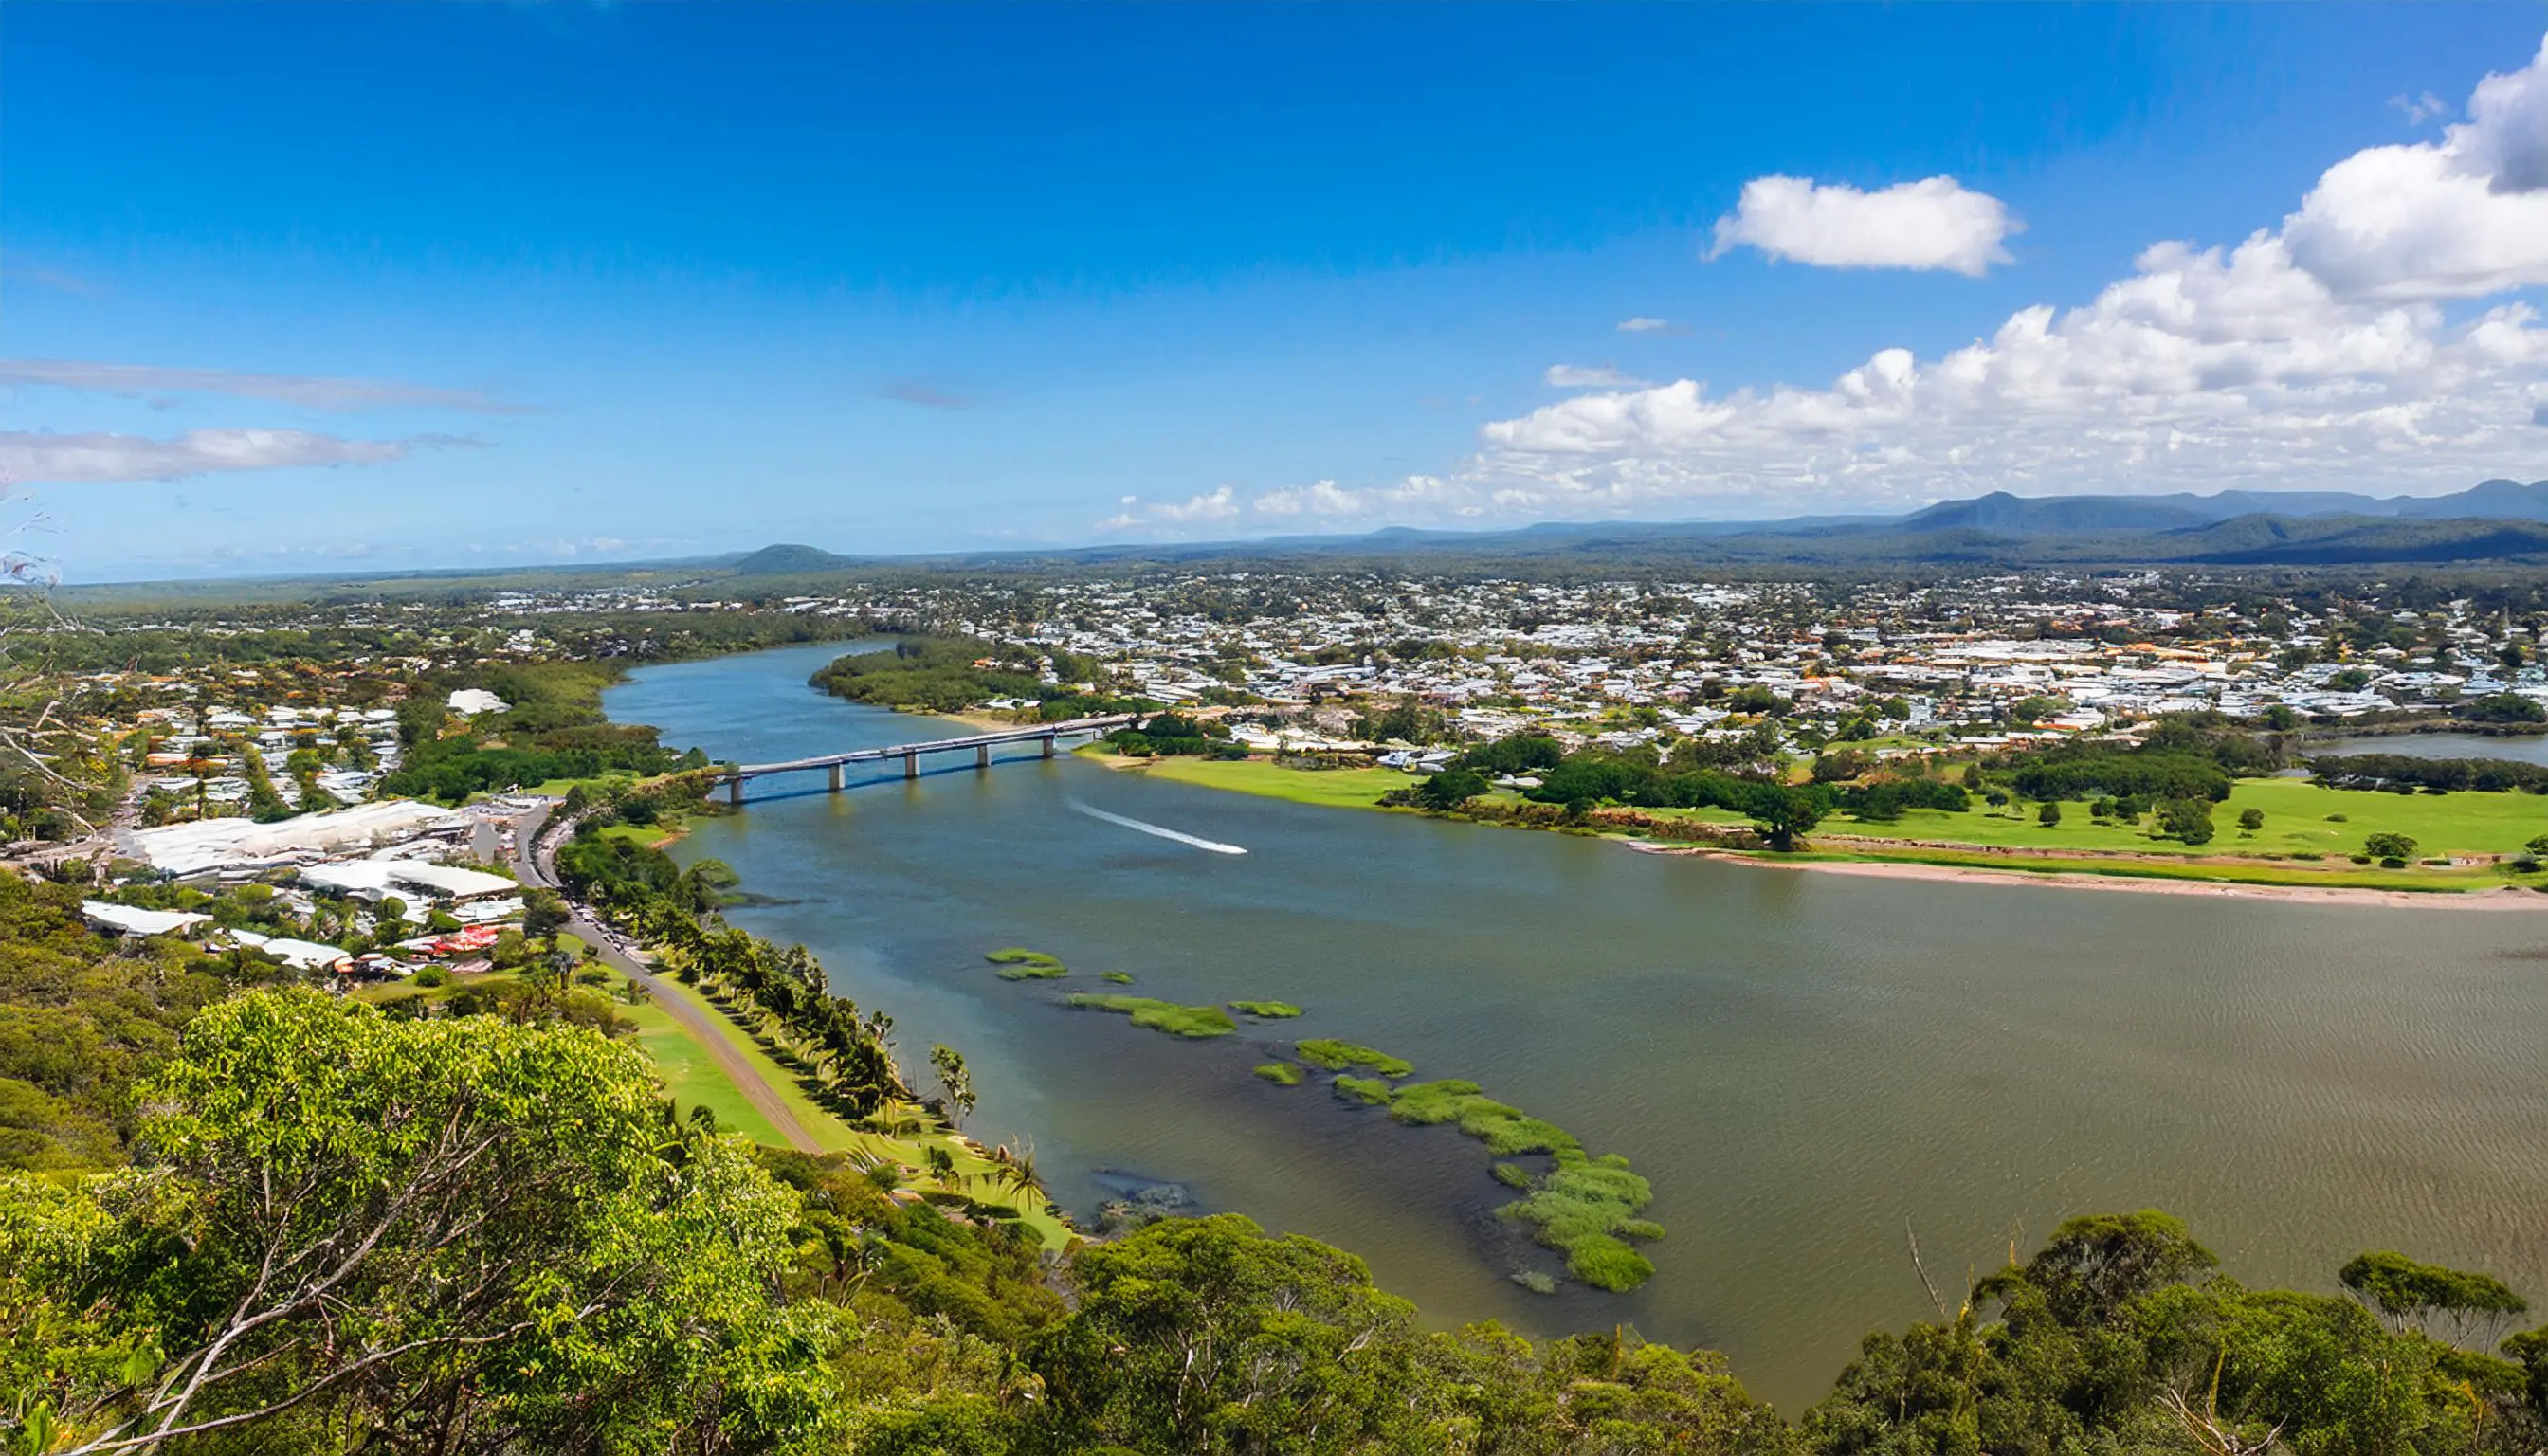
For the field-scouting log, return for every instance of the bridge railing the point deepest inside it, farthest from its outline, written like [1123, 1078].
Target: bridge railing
[910, 753]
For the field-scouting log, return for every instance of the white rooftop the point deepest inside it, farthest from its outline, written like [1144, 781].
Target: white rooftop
[130, 920]
[206, 844]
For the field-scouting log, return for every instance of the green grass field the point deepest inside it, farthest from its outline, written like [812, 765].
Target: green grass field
[2295, 822]
[1348, 788]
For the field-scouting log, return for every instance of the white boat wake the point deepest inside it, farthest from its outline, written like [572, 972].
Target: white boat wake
[1161, 831]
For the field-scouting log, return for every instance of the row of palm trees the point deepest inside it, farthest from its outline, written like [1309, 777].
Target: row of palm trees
[784, 996]
[780, 993]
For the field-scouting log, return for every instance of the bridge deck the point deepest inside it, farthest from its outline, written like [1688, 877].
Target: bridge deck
[1027, 734]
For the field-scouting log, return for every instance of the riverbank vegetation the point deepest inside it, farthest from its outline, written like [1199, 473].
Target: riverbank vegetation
[1266, 1010]
[2195, 797]
[1196, 1022]
[501, 1238]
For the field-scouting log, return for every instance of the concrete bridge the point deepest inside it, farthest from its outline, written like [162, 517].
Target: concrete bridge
[1047, 734]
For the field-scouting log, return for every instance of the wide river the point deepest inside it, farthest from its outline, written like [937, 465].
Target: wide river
[1805, 1064]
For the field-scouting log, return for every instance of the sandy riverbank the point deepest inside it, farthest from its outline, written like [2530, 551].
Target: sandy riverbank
[2508, 898]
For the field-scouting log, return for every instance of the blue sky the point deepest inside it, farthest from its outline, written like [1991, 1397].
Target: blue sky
[310, 288]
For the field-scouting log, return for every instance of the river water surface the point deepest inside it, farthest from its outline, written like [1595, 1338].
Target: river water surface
[1804, 1065]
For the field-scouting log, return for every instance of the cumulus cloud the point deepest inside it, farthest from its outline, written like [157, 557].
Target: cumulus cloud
[1937, 223]
[1584, 376]
[1643, 325]
[2461, 218]
[102, 458]
[312, 392]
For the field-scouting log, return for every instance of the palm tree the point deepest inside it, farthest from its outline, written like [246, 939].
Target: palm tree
[1016, 1171]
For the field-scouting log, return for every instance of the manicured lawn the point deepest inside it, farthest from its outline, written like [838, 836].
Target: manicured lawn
[2295, 822]
[974, 1171]
[1349, 788]
[695, 1079]
[647, 836]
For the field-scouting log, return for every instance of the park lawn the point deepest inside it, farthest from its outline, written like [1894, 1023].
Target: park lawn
[974, 1171]
[1344, 789]
[2296, 822]
[647, 836]
[692, 1077]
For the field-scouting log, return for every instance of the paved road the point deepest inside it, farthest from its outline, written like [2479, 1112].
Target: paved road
[530, 865]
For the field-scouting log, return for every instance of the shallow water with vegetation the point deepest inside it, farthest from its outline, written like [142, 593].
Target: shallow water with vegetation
[1799, 1063]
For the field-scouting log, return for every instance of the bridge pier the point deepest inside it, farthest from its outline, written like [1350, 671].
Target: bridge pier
[734, 791]
[1047, 744]
[982, 755]
[910, 764]
[840, 777]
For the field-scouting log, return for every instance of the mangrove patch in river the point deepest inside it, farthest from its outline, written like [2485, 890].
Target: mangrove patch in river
[1336, 1056]
[1161, 1015]
[1017, 963]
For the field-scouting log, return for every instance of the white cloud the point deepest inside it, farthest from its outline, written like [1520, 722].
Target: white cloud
[2460, 217]
[99, 458]
[1318, 502]
[1215, 506]
[2418, 109]
[1586, 377]
[1643, 325]
[1933, 225]
[312, 391]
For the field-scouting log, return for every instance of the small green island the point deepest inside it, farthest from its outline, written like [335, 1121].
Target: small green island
[1017, 963]
[1337, 1056]
[1196, 1022]
[1265, 1010]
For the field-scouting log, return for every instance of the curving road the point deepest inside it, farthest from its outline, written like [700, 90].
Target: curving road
[531, 863]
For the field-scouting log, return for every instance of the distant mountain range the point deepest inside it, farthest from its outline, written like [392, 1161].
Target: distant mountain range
[2500, 521]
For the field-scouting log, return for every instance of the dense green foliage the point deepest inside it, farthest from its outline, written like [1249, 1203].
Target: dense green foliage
[2405, 774]
[82, 1018]
[939, 675]
[552, 728]
[1175, 735]
[458, 1232]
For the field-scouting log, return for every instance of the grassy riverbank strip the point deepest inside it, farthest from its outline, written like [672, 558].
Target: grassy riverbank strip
[976, 1173]
[2305, 842]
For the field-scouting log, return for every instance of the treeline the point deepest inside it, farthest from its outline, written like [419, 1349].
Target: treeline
[848, 1056]
[1175, 735]
[937, 675]
[2405, 774]
[947, 674]
[552, 728]
[496, 1238]
[2190, 755]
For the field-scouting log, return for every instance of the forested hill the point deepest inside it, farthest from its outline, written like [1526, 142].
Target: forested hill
[2497, 521]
